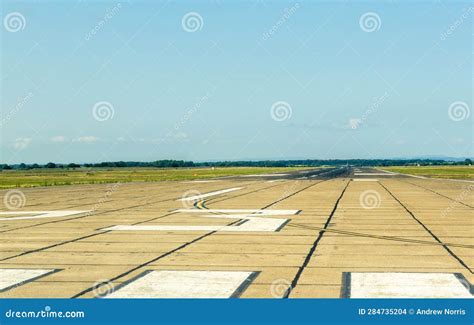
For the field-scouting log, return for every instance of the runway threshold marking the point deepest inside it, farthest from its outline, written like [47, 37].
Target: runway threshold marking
[10, 278]
[185, 284]
[405, 285]
[39, 214]
[201, 196]
[187, 244]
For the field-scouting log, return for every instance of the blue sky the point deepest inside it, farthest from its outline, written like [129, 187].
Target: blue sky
[88, 81]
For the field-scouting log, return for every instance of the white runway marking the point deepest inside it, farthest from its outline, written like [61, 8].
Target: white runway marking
[437, 179]
[365, 180]
[202, 196]
[264, 175]
[407, 285]
[385, 171]
[372, 174]
[242, 211]
[39, 214]
[185, 284]
[14, 277]
[251, 224]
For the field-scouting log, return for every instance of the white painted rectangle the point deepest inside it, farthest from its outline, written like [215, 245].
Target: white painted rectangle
[251, 224]
[372, 174]
[265, 175]
[162, 228]
[242, 211]
[185, 284]
[40, 214]
[365, 180]
[202, 196]
[407, 285]
[14, 277]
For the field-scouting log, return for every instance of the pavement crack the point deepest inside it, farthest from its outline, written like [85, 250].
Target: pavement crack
[444, 245]
[306, 261]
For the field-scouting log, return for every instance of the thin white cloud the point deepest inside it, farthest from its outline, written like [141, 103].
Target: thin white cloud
[21, 143]
[177, 135]
[59, 138]
[87, 139]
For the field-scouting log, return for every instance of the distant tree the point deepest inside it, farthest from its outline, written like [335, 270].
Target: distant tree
[468, 161]
[22, 166]
[7, 167]
[50, 165]
[35, 166]
[73, 165]
[121, 164]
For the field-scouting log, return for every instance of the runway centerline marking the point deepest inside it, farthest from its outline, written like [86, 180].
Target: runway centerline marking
[201, 196]
[405, 285]
[185, 284]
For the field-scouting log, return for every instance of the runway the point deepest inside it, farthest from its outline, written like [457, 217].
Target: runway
[324, 233]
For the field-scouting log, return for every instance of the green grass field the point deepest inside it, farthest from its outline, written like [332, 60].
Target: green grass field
[50, 177]
[453, 172]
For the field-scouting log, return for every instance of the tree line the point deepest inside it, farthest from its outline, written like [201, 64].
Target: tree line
[263, 163]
